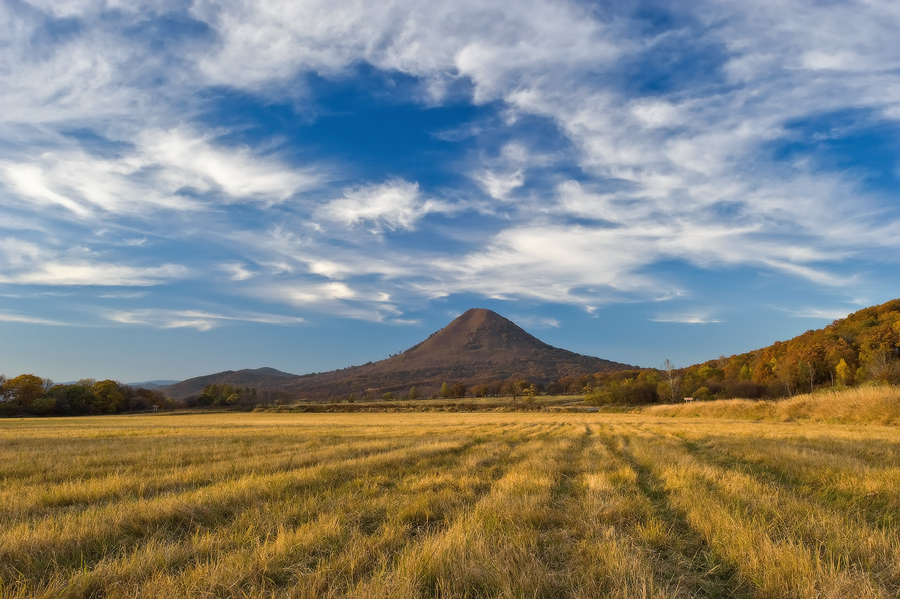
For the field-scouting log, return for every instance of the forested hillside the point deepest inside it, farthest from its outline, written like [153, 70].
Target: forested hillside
[864, 347]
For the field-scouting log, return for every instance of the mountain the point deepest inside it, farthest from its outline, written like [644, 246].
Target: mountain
[259, 378]
[479, 347]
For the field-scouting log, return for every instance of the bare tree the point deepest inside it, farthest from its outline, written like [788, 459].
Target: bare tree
[672, 381]
[810, 374]
[884, 367]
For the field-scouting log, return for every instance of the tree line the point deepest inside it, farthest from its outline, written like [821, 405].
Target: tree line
[226, 395]
[28, 394]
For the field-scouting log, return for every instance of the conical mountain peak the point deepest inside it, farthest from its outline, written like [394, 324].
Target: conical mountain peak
[477, 331]
[477, 347]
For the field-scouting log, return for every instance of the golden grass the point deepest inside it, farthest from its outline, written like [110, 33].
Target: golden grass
[447, 505]
[860, 405]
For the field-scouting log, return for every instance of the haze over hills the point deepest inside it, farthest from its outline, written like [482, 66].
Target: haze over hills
[478, 347]
[152, 384]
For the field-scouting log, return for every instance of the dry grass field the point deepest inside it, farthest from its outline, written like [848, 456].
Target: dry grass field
[447, 505]
[858, 405]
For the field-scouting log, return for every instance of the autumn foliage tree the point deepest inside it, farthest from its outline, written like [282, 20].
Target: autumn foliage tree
[22, 390]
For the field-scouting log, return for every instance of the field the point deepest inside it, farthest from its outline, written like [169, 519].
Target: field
[447, 505]
[859, 405]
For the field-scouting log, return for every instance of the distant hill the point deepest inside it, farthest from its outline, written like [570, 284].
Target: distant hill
[259, 378]
[151, 384]
[479, 347]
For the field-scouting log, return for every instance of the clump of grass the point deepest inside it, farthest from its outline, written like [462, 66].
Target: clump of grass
[861, 405]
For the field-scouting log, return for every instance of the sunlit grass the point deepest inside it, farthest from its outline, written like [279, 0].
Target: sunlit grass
[447, 505]
[878, 405]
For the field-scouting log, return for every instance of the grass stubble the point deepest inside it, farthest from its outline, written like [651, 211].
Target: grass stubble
[447, 505]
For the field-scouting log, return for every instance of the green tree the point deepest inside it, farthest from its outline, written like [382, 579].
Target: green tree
[72, 399]
[107, 397]
[446, 390]
[702, 394]
[413, 393]
[209, 395]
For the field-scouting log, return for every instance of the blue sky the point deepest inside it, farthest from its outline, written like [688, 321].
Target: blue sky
[188, 187]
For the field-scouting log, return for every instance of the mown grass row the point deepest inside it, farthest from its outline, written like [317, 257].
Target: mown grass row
[447, 505]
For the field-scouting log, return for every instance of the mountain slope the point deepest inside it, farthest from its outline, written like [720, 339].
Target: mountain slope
[863, 347]
[259, 378]
[478, 347]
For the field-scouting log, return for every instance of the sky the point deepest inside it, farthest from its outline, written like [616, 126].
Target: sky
[189, 187]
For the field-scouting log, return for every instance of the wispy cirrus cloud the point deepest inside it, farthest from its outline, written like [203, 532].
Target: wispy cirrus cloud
[27, 263]
[688, 318]
[201, 320]
[26, 319]
[819, 313]
[187, 160]
[152, 175]
[96, 274]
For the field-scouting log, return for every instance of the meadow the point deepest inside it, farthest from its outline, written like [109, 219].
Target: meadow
[447, 505]
[855, 405]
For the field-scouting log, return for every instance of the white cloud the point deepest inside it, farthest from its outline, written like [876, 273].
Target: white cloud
[656, 113]
[392, 205]
[25, 319]
[96, 274]
[315, 293]
[194, 319]
[820, 313]
[494, 45]
[282, 251]
[18, 253]
[535, 322]
[152, 175]
[26, 263]
[83, 184]
[366, 301]
[555, 264]
[499, 185]
[506, 173]
[189, 160]
[237, 271]
[687, 318]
